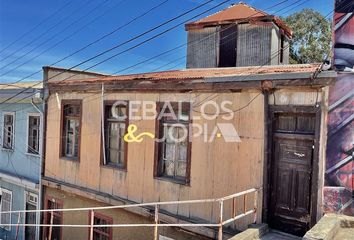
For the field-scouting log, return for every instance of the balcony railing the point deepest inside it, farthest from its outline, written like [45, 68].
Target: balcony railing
[156, 206]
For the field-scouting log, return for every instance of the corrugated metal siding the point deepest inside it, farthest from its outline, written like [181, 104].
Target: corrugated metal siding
[275, 46]
[253, 45]
[202, 48]
[286, 51]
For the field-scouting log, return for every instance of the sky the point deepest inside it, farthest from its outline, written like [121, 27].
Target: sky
[39, 33]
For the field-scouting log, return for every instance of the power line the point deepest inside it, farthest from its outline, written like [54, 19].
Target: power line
[92, 43]
[188, 20]
[197, 41]
[121, 44]
[36, 26]
[126, 49]
[53, 36]
[99, 39]
[132, 39]
[46, 31]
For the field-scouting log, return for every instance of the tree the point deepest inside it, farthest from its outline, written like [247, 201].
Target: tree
[312, 35]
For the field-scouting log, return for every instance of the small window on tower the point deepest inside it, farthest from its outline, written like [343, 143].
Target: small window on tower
[227, 46]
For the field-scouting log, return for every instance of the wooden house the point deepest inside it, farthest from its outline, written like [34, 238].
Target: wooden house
[245, 127]
[279, 112]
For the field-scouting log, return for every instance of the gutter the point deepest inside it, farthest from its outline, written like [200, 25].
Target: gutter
[41, 160]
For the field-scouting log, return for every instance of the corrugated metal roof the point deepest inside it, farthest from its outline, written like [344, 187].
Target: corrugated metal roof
[234, 12]
[237, 12]
[189, 74]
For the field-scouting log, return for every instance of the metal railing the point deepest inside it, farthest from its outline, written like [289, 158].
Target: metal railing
[156, 205]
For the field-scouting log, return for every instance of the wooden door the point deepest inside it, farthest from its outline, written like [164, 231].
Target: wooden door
[291, 172]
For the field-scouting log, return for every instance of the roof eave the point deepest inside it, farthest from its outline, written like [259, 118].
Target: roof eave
[276, 20]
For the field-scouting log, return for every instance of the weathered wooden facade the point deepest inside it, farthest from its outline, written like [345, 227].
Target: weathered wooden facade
[216, 168]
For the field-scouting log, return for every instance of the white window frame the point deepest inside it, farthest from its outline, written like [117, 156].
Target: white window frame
[40, 134]
[3, 128]
[8, 228]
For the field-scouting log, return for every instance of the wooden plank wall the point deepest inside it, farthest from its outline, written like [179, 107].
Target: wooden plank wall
[217, 168]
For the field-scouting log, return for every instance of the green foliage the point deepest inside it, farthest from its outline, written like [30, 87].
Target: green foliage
[312, 36]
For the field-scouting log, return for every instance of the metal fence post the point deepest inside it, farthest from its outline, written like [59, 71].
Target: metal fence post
[18, 223]
[50, 227]
[255, 206]
[156, 222]
[244, 204]
[221, 219]
[91, 224]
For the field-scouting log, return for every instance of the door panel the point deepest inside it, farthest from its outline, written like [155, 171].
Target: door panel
[291, 174]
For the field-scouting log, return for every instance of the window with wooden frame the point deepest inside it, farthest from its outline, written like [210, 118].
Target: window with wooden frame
[33, 134]
[115, 127]
[8, 131]
[173, 150]
[71, 129]
[101, 233]
[54, 217]
[6, 205]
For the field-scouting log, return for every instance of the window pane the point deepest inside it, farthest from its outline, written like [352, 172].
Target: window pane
[114, 135]
[8, 131]
[33, 135]
[71, 130]
[169, 168]
[113, 156]
[72, 138]
[184, 115]
[182, 152]
[181, 169]
[101, 232]
[5, 207]
[169, 151]
[121, 157]
[173, 150]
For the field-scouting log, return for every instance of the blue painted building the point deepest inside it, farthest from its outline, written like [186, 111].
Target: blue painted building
[21, 121]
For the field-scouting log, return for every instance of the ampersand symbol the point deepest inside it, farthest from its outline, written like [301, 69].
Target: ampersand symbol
[130, 135]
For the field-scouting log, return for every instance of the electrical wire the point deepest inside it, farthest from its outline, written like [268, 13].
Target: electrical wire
[36, 26]
[91, 43]
[274, 5]
[86, 3]
[67, 27]
[130, 40]
[277, 4]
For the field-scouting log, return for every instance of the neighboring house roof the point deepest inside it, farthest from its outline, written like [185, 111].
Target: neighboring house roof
[22, 92]
[238, 13]
[22, 85]
[242, 73]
